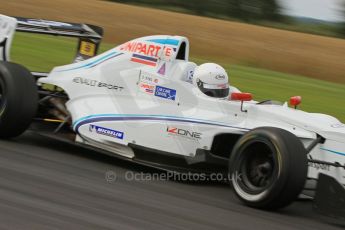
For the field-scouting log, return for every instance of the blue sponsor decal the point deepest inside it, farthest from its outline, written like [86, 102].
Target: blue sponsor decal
[94, 63]
[145, 57]
[165, 93]
[144, 117]
[106, 132]
[168, 41]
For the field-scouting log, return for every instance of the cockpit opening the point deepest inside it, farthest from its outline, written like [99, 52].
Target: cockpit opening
[181, 55]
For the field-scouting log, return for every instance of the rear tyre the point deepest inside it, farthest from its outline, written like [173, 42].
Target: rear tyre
[268, 168]
[18, 99]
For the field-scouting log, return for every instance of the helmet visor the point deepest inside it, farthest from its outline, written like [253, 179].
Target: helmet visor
[217, 90]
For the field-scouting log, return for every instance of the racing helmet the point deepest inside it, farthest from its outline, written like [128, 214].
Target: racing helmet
[212, 80]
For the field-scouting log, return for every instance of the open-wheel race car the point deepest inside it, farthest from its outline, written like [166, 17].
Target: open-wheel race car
[136, 102]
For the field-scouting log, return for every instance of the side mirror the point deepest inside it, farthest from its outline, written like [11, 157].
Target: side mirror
[295, 101]
[241, 97]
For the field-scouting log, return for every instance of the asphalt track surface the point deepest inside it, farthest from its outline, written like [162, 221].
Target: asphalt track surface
[45, 184]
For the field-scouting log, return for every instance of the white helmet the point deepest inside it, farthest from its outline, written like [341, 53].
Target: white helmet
[212, 80]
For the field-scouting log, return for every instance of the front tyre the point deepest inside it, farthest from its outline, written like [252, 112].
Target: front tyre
[18, 99]
[268, 168]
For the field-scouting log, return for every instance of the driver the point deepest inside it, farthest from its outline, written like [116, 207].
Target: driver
[212, 80]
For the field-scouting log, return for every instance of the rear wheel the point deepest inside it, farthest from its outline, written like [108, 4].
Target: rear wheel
[2, 100]
[268, 168]
[18, 99]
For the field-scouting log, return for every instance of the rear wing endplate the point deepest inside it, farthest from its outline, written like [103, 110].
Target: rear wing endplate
[89, 36]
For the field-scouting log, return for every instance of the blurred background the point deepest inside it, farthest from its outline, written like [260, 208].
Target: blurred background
[272, 48]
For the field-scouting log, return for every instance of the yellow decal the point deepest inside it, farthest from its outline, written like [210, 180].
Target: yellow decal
[87, 48]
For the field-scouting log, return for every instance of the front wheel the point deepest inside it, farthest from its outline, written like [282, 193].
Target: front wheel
[18, 99]
[268, 168]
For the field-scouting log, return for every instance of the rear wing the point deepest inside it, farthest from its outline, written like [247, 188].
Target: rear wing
[89, 36]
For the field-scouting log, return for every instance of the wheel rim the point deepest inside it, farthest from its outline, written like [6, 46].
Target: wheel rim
[257, 167]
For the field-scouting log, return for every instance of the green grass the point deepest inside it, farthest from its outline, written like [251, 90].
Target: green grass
[42, 53]
[317, 96]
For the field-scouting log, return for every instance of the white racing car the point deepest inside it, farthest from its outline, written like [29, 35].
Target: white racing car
[136, 101]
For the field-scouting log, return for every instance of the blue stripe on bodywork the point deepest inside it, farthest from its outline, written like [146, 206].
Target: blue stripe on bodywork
[95, 62]
[145, 57]
[131, 117]
[172, 42]
[332, 151]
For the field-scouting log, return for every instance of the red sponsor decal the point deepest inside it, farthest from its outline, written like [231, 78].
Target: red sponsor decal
[147, 88]
[142, 48]
[184, 133]
[168, 51]
[143, 61]
[172, 130]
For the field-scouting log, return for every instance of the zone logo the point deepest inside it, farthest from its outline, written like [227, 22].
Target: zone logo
[183, 132]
